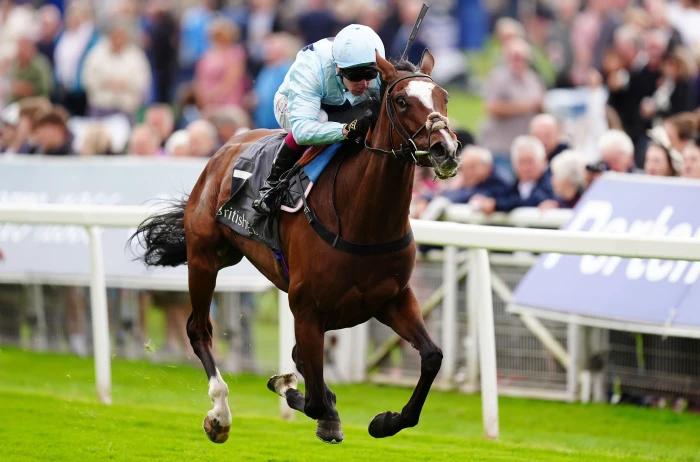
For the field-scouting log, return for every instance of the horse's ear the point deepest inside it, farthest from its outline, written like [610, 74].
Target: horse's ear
[386, 69]
[427, 62]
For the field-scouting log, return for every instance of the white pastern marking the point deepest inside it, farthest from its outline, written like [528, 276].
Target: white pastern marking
[422, 90]
[451, 144]
[218, 392]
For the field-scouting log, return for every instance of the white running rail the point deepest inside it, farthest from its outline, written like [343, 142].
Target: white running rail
[476, 237]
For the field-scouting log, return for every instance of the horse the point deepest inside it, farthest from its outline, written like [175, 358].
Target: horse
[361, 272]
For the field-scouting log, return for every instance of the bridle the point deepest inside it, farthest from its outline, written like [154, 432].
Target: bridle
[407, 150]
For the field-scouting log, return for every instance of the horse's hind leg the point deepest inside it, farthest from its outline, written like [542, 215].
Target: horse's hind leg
[202, 269]
[407, 321]
[319, 402]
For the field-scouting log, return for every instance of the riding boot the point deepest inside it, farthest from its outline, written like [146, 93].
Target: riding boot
[284, 160]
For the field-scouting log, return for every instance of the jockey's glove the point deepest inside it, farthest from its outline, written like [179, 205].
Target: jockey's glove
[358, 128]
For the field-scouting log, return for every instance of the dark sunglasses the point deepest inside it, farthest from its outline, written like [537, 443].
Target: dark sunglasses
[356, 74]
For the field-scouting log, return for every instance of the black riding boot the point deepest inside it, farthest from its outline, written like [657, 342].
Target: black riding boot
[284, 160]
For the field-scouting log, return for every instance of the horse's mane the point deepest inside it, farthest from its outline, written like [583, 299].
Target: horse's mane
[400, 65]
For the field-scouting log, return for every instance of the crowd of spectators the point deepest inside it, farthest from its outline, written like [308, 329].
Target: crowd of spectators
[641, 55]
[166, 78]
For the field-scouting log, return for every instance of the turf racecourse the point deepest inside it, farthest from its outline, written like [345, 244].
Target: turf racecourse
[48, 412]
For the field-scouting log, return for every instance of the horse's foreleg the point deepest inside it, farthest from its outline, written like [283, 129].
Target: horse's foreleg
[407, 321]
[286, 385]
[202, 279]
[319, 402]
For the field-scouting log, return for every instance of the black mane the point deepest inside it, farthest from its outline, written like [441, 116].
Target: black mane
[402, 66]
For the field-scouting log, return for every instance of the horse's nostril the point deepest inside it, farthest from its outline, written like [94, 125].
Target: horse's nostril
[438, 151]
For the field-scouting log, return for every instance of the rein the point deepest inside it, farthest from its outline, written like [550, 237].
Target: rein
[337, 242]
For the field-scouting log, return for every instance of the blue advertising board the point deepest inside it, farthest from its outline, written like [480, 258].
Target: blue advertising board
[641, 291]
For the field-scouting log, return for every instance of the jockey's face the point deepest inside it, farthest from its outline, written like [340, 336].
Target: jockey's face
[357, 80]
[356, 88]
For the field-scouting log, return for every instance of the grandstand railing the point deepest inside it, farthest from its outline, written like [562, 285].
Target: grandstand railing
[479, 239]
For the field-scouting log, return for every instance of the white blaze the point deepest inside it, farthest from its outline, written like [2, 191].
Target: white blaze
[423, 90]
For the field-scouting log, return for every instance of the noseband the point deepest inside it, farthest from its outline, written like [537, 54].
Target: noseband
[407, 150]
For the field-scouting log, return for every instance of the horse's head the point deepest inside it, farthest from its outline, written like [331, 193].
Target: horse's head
[414, 111]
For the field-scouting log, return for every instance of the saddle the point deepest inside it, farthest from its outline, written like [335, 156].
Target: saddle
[249, 173]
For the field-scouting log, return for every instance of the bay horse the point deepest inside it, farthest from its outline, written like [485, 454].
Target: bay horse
[329, 287]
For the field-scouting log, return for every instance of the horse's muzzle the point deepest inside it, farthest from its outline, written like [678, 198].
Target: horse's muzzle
[444, 160]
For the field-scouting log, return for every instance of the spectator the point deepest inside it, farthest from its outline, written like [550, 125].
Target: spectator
[513, 96]
[617, 151]
[661, 159]
[30, 110]
[162, 43]
[545, 128]
[681, 129]
[228, 122]
[9, 121]
[30, 74]
[568, 180]
[143, 141]
[691, 161]
[659, 162]
[263, 18]
[96, 140]
[559, 43]
[424, 187]
[532, 185]
[220, 78]
[72, 48]
[49, 28]
[620, 77]
[316, 22]
[685, 16]
[161, 119]
[193, 36]
[178, 145]
[476, 177]
[116, 74]
[203, 139]
[280, 50]
[408, 12]
[674, 93]
[51, 135]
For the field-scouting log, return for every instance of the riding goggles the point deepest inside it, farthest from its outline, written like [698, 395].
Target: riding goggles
[359, 73]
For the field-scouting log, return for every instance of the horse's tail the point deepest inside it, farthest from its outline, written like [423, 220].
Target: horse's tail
[163, 236]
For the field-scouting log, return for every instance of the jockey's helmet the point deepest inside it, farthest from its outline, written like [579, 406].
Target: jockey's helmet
[355, 45]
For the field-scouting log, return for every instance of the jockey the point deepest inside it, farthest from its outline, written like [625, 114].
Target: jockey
[331, 76]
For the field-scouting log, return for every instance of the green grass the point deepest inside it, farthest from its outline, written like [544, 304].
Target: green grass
[48, 411]
[466, 111]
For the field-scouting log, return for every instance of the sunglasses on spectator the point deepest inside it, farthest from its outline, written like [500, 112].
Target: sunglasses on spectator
[357, 74]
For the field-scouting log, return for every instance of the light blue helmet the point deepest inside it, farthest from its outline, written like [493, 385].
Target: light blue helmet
[355, 45]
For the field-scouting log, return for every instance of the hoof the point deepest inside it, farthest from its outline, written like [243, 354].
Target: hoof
[279, 384]
[329, 431]
[385, 424]
[216, 432]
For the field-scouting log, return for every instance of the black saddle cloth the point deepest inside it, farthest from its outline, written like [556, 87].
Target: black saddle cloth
[249, 174]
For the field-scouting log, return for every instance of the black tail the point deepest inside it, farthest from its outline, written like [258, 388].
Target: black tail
[163, 236]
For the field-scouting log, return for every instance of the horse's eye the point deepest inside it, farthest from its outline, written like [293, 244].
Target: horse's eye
[401, 102]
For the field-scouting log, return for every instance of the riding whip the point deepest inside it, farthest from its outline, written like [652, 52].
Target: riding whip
[414, 32]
